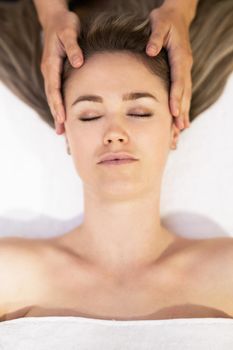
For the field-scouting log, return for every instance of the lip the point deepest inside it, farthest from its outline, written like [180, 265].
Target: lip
[118, 162]
[116, 155]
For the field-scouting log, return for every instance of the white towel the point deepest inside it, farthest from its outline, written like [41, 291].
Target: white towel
[80, 333]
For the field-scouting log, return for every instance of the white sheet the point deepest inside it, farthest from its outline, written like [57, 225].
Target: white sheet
[41, 194]
[77, 333]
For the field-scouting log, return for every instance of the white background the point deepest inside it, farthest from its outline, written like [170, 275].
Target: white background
[41, 193]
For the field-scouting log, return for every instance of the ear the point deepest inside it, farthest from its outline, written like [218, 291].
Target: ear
[175, 132]
[67, 145]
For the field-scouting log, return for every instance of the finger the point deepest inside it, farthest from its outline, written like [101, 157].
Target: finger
[156, 40]
[52, 76]
[179, 123]
[179, 120]
[73, 51]
[59, 128]
[187, 96]
[180, 67]
[186, 102]
[155, 44]
[175, 99]
[56, 104]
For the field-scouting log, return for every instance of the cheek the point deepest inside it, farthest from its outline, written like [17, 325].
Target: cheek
[156, 134]
[83, 150]
[75, 134]
[154, 142]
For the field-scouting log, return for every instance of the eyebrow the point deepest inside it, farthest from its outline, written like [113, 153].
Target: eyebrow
[126, 97]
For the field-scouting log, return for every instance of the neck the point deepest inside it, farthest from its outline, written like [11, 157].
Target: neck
[122, 234]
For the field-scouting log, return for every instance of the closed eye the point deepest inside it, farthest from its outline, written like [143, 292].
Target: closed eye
[134, 115]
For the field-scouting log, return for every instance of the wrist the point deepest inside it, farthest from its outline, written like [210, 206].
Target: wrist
[47, 9]
[186, 7]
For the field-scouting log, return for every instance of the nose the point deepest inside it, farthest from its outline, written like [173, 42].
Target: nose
[110, 140]
[115, 137]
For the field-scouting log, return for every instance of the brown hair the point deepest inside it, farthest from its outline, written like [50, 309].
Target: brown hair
[129, 33]
[118, 25]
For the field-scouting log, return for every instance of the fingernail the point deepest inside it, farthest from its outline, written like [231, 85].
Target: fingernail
[58, 130]
[181, 123]
[152, 49]
[76, 60]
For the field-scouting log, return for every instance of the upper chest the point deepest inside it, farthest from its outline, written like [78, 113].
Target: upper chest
[172, 290]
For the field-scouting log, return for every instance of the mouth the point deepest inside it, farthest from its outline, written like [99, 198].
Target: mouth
[118, 161]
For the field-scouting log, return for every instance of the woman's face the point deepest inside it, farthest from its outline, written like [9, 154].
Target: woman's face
[113, 76]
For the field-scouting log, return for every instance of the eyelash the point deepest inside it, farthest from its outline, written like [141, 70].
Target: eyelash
[135, 115]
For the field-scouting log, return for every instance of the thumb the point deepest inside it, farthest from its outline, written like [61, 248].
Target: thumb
[155, 44]
[73, 51]
[75, 56]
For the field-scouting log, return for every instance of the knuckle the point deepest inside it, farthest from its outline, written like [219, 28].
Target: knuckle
[50, 91]
[185, 99]
[56, 98]
[178, 86]
[57, 103]
[66, 33]
[175, 95]
[52, 110]
[176, 98]
[156, 36]
[71, 47]
[46, 63]
[55, 109]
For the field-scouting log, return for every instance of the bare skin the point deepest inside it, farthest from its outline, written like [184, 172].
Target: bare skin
[64, 284]
[120, 263]
[122, 225]
[170, 29]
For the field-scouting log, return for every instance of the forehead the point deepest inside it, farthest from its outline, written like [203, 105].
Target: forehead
[118, 73]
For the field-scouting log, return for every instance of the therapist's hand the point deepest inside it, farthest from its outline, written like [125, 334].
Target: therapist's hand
[60, 40]
[170, 29]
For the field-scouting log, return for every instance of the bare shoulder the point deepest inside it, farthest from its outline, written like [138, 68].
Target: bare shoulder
[217, 253]
[213, 267]
[214, 247]
[19, 270]
[220, 253]
[17, 250]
